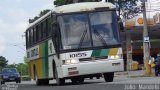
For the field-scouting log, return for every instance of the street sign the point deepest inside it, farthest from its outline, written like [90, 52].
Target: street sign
[129, 49]
[140, 20]
[146, 39]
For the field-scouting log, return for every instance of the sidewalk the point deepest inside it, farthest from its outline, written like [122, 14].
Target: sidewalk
[137, 73]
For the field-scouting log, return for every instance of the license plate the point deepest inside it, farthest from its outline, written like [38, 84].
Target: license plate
[11, 78]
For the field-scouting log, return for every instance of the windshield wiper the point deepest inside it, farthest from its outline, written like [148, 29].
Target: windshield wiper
[82, 38]
[100, 37]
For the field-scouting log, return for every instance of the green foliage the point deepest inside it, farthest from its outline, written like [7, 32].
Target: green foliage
[3, 62]
[11, 66]
[40, 15]
[25, 78]
[25, 60]
[21, 67]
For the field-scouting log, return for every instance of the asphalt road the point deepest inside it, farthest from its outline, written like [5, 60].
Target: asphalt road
[119, 83]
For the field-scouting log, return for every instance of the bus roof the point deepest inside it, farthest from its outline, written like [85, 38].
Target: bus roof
[40, 19]
[85, 6]
[76, 7]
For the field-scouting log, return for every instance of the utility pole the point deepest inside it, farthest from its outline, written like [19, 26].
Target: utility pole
[146, 41]
[128, 50]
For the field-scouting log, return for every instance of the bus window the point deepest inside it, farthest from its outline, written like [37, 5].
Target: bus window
[75, 31]
[49, 26]
[37, 39]
[102, 29]
[31, 36]
[44, 29]
[46, 22]
[27, 38]
[34, 35]
[42, 33]
[39, 32]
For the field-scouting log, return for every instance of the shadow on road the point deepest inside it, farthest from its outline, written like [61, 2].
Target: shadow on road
[71, 84]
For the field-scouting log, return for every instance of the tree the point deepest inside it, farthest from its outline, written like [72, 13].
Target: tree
[64, 2]
[11, 66]
[21, 67]
[127, 8]
[40, 15]
[3, 62]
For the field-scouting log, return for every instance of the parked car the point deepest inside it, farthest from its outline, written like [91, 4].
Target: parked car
[10, 75]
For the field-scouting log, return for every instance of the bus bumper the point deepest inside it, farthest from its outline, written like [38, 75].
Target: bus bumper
[86, 68]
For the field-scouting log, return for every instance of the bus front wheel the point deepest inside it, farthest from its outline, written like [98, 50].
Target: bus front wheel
[59, 81]
[77, 80]
[2, 82]
[109, 76]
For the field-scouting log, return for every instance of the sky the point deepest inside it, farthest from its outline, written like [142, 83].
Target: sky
[14, 15]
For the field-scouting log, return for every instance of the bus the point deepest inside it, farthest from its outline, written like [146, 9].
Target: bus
[75, 42]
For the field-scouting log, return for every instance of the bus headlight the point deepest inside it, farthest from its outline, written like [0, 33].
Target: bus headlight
[115, 57]
[111, 57]
[71, 61]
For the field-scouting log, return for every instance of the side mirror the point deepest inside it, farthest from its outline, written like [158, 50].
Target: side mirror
[120, 24]
[121, 27]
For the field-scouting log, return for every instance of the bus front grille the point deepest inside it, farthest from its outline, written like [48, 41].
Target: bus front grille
[93, 58]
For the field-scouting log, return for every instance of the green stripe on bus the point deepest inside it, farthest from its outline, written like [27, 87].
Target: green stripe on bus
[104, 52]
[46, 59]
[43, 59]
[96, 53]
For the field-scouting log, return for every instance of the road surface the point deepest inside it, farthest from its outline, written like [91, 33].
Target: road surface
[119, 83]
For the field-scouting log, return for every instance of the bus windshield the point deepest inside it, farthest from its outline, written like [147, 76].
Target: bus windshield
[87, 30]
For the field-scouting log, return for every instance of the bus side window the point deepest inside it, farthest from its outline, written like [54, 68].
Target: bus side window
[53, 24]
[31, 36]
[39, 32]
[37, 39]
[49, 26]
[44, 29]
[29, 43]
[34, 35]
[27, 38]
[46, 22]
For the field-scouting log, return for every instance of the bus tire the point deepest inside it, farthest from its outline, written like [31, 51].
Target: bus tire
[39, 82]
[45, 82]
[2, 82]
[109, 76]
[77, 80]
[59, 81]
[98, 77]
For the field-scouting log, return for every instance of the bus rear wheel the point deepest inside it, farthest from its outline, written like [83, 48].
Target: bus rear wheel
[109, 76]
[40, 82]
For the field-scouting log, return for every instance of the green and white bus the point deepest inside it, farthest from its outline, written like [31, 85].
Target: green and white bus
[75, 41]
